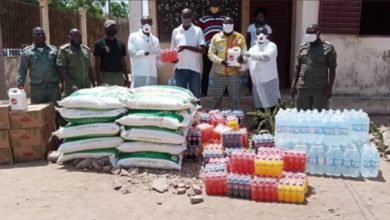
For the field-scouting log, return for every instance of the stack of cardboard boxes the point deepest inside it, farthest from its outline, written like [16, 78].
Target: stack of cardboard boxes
[26, 133]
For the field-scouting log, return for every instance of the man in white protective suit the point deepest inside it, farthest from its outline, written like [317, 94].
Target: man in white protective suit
[144, 50]
[264, 72]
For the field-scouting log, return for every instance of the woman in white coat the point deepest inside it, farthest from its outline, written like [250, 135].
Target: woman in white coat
[144, 50]
[263, 70]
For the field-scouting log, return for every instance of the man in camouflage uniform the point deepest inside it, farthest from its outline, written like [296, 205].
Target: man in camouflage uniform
[315, 72]
[74, 64]
[40, 60]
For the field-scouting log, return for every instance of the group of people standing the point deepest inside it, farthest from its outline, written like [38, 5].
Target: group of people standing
[70, 65]
[210, 38]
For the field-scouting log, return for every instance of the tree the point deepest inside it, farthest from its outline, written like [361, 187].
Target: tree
[94, 8]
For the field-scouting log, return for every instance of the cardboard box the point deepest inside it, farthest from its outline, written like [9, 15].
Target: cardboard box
[4, 118]
[36, 116]
[6, 156]
[4, 139]
[31, 153]
[28, 137]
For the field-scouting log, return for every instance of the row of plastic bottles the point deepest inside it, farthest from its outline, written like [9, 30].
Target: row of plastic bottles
[294, 161]
[350, 163]
[212, 151]
[242, 161]
[232, 139]
[238, 113]
[291, 190]
[206, 131]
[269, 162]
[219, 130]
[216, 183]
[239, 185]
[264, 189]
[333, 127]
[215, 167]
[262, 140]
[169, 55]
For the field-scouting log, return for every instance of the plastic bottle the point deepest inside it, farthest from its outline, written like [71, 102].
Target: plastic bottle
[334, 161]
[369, 161]
[17, 99]
[351, 162]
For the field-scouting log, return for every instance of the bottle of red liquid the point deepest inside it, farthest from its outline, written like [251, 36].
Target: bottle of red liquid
[260, 190]
[274, 190]
[267, 191]
[254, 192]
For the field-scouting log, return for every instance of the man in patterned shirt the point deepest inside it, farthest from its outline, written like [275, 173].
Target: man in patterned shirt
[210, 24]
[226, 77]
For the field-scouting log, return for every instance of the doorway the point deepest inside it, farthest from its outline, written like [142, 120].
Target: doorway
[279, 17]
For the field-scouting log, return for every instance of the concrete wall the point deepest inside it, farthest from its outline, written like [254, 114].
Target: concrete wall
[11, 65]
[363, 64]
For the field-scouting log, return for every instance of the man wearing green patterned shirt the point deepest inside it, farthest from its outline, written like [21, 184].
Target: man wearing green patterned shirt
[40, 60]
[74, 64]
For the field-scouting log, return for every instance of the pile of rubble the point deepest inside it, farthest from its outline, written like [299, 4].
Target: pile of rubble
[185, 181]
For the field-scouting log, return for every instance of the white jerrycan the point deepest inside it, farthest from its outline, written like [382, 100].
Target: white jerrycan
[17, 99]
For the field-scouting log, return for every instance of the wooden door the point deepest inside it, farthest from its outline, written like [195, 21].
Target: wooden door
[280, 19]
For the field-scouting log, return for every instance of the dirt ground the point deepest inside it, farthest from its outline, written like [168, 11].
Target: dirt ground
[50, 191]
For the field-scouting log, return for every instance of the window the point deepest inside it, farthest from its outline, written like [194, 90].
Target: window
[169, 12]
[375, 16]
[365, 17]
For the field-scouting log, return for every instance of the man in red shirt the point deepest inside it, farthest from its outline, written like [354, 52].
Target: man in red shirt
[210, 24]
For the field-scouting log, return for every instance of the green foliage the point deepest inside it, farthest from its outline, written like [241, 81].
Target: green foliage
[266, 118]
[379, 140]
[94, 8]
[119, 9]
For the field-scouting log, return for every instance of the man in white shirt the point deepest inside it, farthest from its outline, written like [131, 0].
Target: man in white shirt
[263, 70]
[143, 48]
[188, 39]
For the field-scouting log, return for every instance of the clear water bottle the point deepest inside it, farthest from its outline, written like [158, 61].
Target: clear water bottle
[351, 162]
[334, 161]
[320, 159]
[369, 161]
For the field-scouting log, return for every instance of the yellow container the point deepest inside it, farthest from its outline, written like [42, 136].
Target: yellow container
[301, 194]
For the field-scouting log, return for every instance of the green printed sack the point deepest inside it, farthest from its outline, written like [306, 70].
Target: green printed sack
[85, 116]
[166, 90]
[153, 134]
[87, 130]
[90, 154]
[142, 146]
[158, 101]
[150, 160]
[102, 97]
[162, 119]
[71, 145]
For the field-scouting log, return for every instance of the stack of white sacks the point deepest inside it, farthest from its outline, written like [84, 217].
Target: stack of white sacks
[156, 127]
[92, 131]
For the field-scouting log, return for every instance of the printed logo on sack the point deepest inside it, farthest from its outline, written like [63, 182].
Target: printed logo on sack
[231, 58]
[174, 158]
[14, 101]
[25, 137]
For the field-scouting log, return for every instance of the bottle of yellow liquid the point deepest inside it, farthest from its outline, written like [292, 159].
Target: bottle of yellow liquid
[288, 192]
[301, 193]
[281, 191]
[294, 193]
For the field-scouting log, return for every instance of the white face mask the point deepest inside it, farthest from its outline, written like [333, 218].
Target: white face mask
[310, 38]
[147, 28]
[261, 38]
[228, 28]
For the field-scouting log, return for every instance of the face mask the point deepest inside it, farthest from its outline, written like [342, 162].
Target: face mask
[310, 38]
[186, 22]
[111, 33]
[146, 28]
[228, 28]
[261, 38]
[214, 10]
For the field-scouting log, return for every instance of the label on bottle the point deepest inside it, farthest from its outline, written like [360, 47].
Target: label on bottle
[348, 163]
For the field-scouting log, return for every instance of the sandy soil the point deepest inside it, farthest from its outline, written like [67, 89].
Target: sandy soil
[50, 191]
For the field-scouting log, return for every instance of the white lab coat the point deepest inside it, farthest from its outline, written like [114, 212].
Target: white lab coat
[264, 73]
[142, 66]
